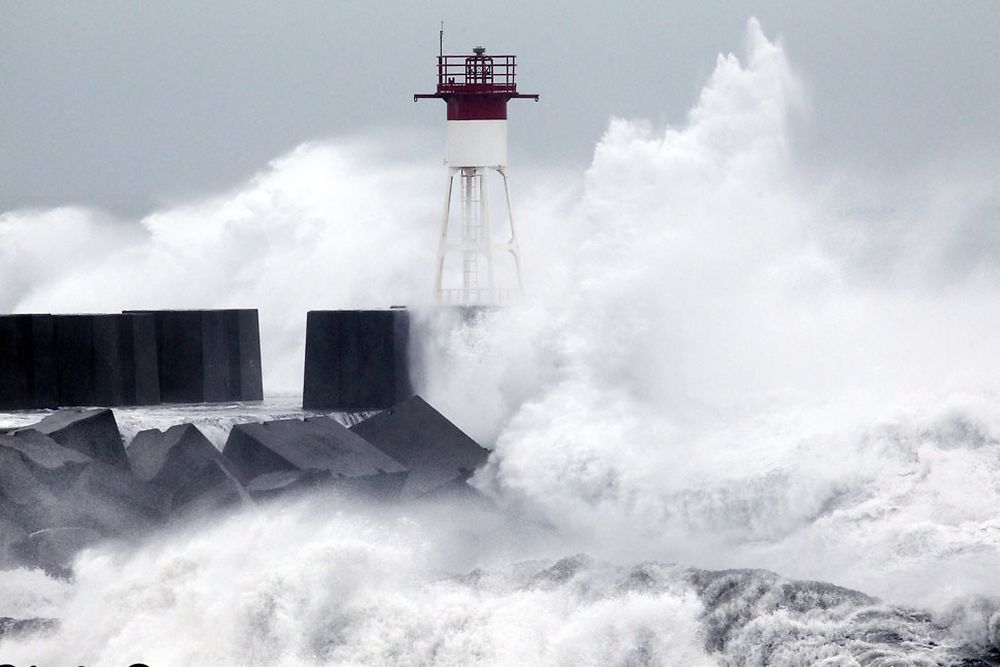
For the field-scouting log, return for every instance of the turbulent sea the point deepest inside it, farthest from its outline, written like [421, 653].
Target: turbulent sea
[749, 416]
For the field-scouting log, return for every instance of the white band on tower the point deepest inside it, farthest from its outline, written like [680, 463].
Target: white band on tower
[476, 143]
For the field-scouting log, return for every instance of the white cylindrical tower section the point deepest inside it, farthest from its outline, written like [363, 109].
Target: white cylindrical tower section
[476, 143]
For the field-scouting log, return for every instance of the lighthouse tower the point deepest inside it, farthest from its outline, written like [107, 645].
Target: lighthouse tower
[476, 88]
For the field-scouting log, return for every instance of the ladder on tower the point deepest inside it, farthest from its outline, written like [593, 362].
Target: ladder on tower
[472, 234]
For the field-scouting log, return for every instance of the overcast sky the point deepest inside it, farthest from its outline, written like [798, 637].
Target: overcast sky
[127, 105]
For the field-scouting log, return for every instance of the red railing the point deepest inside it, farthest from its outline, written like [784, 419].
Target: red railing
[478, 73]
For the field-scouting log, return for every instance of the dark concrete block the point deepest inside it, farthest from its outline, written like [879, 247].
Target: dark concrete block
[436, 451]
[75, 359]
[105, 360]
[179, 356]
[427, 478]
[92, 432]
[113, 382]
[16, 372]
[356, 359]
[217, 357]
[186, 465]
[46, 485]
[42, 451]
[27, 366]
[113, 502]
[24, 500]
[319, 443]
[287, 483]
[208, 355]
[146, 378]
[251, 385]
[54, 466]
[44, 375]
[210, 497]
[51, 360]
[170, 458]
[385, 487]
[11, 535]
[388, 486]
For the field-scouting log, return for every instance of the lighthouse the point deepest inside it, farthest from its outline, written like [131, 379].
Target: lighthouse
[476, 88]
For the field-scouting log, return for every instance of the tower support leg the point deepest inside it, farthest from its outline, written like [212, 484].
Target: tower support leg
[443, 240]
[512, 245]
[477, 243]
[486, 233]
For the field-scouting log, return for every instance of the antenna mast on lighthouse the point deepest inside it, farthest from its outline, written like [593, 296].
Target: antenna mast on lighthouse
[476, 88]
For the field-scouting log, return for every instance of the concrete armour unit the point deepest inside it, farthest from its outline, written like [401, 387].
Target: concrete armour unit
[48, 361]
[356, 359]
[317, 443]
[131, 358]
[288, 482]
[106, 360]
[436, 451]
[183, 462]
[27, 363]
[48, 480]
[207, 356]
[92, 432]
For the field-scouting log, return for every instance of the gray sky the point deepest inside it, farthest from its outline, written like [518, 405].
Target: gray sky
[126, 105]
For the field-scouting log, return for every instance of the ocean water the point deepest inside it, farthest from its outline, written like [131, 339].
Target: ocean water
[748, 415]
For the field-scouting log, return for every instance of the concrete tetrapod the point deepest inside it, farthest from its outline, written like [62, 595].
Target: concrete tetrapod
[436, 451]
[189, 469]
[316, 444]
[47, 487]
[287, 482]
[90, 431]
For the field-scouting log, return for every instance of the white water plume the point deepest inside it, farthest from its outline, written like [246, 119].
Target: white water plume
[722, 375]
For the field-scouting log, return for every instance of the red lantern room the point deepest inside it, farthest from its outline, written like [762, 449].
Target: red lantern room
[477, 86]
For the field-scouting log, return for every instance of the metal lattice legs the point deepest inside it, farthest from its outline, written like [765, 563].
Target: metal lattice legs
[478, 286]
